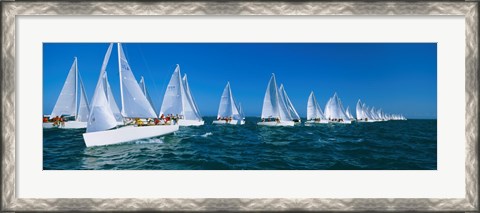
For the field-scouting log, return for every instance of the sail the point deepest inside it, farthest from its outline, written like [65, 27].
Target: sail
[348, 114]
[291, 109]
[83, 107]
[101, 116]
[67, 100]
[172, 100]
[225, 107]
[111, 100]
[145, 91]
[334, 109]
[134, 102]
[359, 111]
[270, 101]
[240, 110]
[191, 111]
[313, 109]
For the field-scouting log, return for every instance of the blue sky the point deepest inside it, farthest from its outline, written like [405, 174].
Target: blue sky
[397, 77]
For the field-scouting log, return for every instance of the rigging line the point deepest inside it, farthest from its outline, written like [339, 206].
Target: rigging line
[150, 75]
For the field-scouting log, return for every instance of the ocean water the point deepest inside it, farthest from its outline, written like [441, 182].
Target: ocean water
[391, 145]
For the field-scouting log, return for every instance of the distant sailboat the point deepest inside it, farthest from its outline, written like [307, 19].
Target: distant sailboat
[334, 111]
[288, 103]
[103, 117]
[274, 110]
[67, 105]
[178, 101]
[228, 111]
[314, 112]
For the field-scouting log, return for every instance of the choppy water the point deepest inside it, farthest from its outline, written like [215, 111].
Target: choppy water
[391, 145]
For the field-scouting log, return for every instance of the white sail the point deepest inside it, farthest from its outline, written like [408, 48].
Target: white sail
[270, 101]
[172, 100]
[83, 107]
[334, 109]
[191, 111]
[313, 109]
[228, 107]
[359, 111]
[348, 114]
[67, 100]
[111, 100]
[240, 110]
[134, 102]
[293, 113]
[101, 116]
[143, 86]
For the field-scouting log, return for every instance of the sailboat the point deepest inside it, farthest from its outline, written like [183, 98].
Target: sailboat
[274, 110]
[228, 111]
[334, 111]
[74, 114]
[291, 110]
[314, 112]
[178, 101]
[102, 126]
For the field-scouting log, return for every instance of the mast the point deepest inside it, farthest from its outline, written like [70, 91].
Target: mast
[182, 88]
[76, 88]
[120, 76]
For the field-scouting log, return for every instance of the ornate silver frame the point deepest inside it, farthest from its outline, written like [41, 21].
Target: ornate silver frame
[11, 9]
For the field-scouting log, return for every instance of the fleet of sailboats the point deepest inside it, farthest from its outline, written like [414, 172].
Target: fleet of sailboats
[367, 114]
[228, 110]
[103, 126]
[106, 124]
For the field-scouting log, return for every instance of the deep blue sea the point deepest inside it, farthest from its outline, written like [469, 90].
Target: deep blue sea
[390, 145]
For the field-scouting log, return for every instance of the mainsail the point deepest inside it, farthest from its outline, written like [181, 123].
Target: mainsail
[101, 116]
[293, 113]
[67, 100]
[134, 102]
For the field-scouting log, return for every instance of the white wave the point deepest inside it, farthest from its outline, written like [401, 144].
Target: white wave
[206, 134]
[149, 140]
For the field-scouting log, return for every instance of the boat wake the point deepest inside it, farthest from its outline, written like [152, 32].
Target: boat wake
[149, 140]
[206, 134]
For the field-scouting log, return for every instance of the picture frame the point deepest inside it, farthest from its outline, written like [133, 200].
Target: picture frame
[10, 10]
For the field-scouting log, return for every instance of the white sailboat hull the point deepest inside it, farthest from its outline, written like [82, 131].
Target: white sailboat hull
[67, 125]
[274, 123]
[232, 122]
[316, 122]
[183, 122]
[340, 122]
[126, 134]
[366, 121]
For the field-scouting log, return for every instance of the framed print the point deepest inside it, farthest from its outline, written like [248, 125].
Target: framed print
[325, 106]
